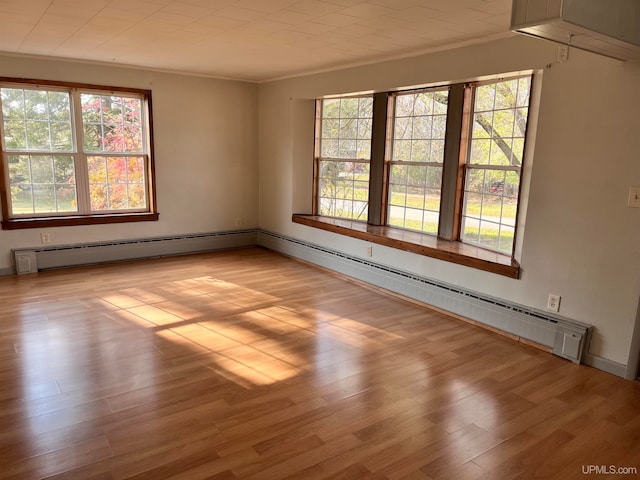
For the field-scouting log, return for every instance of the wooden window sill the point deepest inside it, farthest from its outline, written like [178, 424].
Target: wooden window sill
[414, 242]
[68, 221]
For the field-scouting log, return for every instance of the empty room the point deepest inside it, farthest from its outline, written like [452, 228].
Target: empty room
[319, 239]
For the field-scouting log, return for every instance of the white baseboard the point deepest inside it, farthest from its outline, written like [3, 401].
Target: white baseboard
[605, 365]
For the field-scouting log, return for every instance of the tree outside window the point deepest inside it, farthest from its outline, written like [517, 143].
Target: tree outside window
[468, 150]
[74, 151]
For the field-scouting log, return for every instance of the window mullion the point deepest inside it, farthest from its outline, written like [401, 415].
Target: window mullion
[377, 168]
[80, 158]
[454, 157]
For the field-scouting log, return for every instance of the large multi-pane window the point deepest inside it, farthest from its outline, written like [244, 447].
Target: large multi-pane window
[74, 151]
[494, 163]
[417, 156]
[343, 157]
[451, 159]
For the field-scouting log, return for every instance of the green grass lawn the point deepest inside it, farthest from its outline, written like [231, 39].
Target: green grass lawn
[490, 238]
[433, 203]
[23, 206]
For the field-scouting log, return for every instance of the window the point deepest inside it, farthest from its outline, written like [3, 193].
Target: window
[74, 154]
[417, 156]
[446, 163]
[494, 163]
[344, 155]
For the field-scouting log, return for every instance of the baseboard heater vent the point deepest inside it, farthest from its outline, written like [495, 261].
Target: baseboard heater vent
[567, 338]
[29, 260]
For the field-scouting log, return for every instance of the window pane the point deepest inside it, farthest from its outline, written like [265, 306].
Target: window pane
[36, 120]
[417, 125]
[329, 148]
[112, 123]
[437, 151]
[61, 137]
[402, 129]
[402, 150]
[15, 135]
[416, 175]
[471, 229]
[347, 122]
[404, 105]
[498, 120]
[363, 149]
[331, 108]
[423, 104]
[59, 107]
[330, 128]
[20, 184]
[414, 197]
[421, 150]
[42, 184]
[43, 198]
[485, 98]
[505, 242]
[344, 189]
[135, 167]
[347, 148]
[133, 129]
[117, 170]
[38, 136]
[137, 197]
[36, 105]
[116, 183]
[440, 102]
[496, 148]
[492, 197]
[12, 104]
[489, 235]
[422, 127]
[501, 152]
[348, 128]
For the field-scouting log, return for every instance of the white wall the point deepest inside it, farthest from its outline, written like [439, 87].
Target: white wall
[581, 241]
[205, 137]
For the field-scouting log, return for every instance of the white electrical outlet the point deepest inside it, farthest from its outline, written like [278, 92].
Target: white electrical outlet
[369, 251]
[634, 197]
[563, 53]
[45, 237]
[553, 304]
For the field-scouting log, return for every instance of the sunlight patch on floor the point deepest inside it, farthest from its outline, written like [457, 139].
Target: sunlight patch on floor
[246, 340]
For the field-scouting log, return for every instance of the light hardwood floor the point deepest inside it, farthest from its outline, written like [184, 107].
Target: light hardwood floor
[246, 364]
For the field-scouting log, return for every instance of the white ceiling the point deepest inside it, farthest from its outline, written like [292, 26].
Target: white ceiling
[252, 40]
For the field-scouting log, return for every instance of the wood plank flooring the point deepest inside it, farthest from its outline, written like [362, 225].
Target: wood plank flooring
[249, 365]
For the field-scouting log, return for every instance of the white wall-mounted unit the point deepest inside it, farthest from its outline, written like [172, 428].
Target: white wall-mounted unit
[31, 260]
[606, 27]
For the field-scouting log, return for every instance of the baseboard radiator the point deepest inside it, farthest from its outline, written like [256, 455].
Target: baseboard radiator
[568, 338]
[30, 260]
